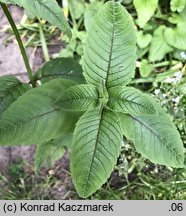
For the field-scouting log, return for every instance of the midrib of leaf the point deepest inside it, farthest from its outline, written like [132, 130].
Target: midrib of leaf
[94, 153]
[129, 101]
[77, 99]
[142, 123]
[154, 133]
[111, 46]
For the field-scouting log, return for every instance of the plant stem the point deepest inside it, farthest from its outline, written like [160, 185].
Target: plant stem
[43, 42]
[165, 63]
[72, 15]
[21, 47]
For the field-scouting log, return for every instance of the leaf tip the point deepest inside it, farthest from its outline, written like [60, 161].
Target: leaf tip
[84, 194]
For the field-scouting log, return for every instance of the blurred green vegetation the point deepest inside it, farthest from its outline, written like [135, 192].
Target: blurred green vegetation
[161, 71]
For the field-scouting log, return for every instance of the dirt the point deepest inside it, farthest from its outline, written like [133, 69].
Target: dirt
[11, 62]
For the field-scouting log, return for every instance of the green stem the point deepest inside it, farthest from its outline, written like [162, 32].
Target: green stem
[22, 49]
[43, 42]
[79, 22]
[165, 63]
[72, 15]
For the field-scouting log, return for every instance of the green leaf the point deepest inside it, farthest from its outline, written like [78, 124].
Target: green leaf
[110, 50]
[177, 5]
[45, 9]
[177, 18]
[143, 40]
[145, 10]
[145, 68]
[130, 100]
[10, 89]
[176, 36]
[65, 140]
[35, 117]
[48, 153]
[66, 68]
[79, 98]
[155, 138]
[95, 149]
[141, 52]
[159, 46]
[157, 105]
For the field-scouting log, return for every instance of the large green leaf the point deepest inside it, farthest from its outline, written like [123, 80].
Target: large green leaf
[10, 89]
[95, 149]
[66, 68]
[159, 46]
[156, 138]
[79, 98]
[145, 10]
[45, 9]
[110, 49]
[35, 117]
[130, 100]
